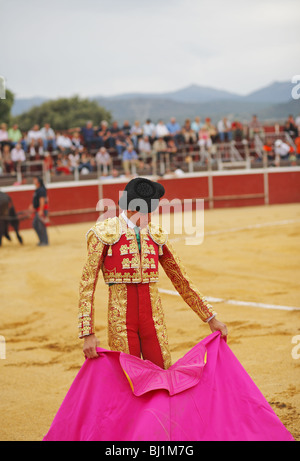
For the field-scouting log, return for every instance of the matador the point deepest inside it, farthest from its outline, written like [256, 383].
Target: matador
[128, 253]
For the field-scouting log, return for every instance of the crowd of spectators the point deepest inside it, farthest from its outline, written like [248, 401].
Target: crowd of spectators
[96, 148]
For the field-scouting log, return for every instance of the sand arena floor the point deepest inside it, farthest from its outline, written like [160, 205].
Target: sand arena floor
[248, 254]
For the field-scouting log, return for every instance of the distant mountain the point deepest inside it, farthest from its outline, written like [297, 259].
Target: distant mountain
[24, 104]
[271, 102]
[191, 94]
[276, 93]
[142, 108]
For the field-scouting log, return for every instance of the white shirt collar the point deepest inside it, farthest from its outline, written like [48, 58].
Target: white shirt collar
[127, 220]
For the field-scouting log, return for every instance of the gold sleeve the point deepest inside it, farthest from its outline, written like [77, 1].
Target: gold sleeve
[185, 287]
[88, 282]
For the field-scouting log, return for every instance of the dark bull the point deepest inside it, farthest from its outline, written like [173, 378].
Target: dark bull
[8, 217]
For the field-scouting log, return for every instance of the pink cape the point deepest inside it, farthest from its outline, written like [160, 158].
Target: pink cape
[205, 396]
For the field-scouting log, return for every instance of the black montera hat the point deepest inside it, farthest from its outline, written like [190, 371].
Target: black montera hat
[142, 195]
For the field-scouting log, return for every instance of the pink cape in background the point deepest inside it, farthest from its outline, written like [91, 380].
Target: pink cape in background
[205, 396]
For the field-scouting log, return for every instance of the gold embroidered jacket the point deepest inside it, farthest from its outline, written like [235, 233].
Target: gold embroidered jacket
[113, 249]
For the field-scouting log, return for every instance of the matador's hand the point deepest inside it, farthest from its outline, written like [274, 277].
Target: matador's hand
[215, 325]
[89, 347]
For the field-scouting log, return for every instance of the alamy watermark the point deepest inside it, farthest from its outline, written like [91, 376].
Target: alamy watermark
[296, 89]
[189, 222]
[296, 349]
[2, 88]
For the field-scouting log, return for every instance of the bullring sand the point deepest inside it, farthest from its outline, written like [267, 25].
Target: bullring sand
[249, 255]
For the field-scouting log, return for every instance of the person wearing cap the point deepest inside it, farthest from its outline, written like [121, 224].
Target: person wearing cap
[128, 249]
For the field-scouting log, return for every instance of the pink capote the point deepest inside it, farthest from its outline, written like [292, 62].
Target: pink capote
[206, 395]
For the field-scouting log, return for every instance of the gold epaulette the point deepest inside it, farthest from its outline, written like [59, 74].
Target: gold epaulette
[158, 235]
[108, 231]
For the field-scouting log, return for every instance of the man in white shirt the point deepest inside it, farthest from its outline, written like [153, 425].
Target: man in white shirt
[17, 155]
[34, 135]
[149, 129]
[48, 137]
[63, 142]
[281, 150]
[161, 131]
[224, 130]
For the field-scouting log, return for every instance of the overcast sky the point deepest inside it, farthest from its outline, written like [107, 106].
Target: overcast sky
[103, 47]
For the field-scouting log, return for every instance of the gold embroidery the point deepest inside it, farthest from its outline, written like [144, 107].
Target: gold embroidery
[117, 307]
[87, 286]
[158, 235]
[159, 324]
[135, 262]
[126, 263]
[152, 249]
[108, 231]
[123, 250]
[146, 263]
[133, 247]
[185, 287]
[152, 263]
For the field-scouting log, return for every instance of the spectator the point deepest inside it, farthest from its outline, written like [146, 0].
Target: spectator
[145, 151]
[211, 130]
[34, 136]
[297, 144]
[204, 138]
[3, 135]
[171, 147]
[297, 122]
[64, 143]
[103, 160]
[197, 125]
[114, 131]
[86, 163]
[76, 142]
[105, 135]
[126, 128]
[161, 131]
[15, 136]
[149, 130]
[136, 133]
[175, 131]
[189, 135]
[290, 127]
[121, 143]
[48, 137]
[36, 149]
[237, 130]
[224, 130]
[62, 164]
[159, 149]
[88, 134]
[74, 160]
[144, 147]
[171, 150]
[6, 159]
[255, 127]
[18, 156]
[282, 151]
[48, 162]
[130, 158]
[159, 145]
[269, 150]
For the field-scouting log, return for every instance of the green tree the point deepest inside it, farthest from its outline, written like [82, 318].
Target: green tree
[5, 107]
[63, 114]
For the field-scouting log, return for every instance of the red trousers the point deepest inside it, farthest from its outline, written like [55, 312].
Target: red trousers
[136, 322]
